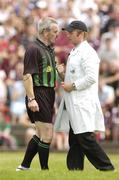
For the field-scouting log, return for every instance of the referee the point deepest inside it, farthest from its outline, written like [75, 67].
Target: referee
[39, 81]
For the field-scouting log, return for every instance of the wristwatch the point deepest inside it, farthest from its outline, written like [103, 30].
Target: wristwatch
[31, 99]
[74, 86]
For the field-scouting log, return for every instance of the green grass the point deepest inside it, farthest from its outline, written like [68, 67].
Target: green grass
[58, 170]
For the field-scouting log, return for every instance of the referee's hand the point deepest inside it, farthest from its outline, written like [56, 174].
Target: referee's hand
[33, 106]
[60, 68]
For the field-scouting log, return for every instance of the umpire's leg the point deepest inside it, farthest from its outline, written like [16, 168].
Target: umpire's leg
[75, 156]
[94, 152]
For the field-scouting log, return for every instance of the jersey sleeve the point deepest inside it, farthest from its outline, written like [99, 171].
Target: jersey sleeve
[31, 58]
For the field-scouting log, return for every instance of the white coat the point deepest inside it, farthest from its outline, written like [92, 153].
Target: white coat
[83, 109]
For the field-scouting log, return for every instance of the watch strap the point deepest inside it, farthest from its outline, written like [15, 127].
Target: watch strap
[31, 99]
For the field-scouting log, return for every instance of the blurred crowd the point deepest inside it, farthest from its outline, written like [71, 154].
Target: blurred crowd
[18, 23]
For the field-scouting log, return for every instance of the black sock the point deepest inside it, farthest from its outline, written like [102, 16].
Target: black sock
[31, 151]
[43, 151]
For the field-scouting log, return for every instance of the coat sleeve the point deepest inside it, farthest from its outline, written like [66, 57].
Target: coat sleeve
[62, 119]
[90, 66]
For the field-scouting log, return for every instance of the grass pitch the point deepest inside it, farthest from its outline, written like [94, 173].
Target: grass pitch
[58, 171]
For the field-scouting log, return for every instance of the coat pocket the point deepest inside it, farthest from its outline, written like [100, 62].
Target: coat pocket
[85, 105]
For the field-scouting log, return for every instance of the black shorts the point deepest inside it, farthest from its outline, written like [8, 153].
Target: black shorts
[45, 97]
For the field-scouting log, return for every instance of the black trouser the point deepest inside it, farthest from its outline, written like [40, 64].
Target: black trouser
[86, 144]
[75, 156]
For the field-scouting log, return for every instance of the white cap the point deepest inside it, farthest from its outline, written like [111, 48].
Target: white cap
[42, 4]
[2, 74]
[2, 31]
[90, 5]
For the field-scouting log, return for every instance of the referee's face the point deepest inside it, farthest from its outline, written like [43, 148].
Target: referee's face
[53, 33]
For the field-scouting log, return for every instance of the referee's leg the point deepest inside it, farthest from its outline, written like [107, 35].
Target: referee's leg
[45, 132]
[39, 143]
[94, 152]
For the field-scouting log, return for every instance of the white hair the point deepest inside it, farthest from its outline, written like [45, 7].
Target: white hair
[45, 24]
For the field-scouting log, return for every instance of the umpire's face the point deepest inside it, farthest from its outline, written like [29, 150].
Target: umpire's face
[75, 36]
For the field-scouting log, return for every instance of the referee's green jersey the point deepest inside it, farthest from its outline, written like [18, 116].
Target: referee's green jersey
[40, 62]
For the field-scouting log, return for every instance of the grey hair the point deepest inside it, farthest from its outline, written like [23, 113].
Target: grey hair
[45, 24]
